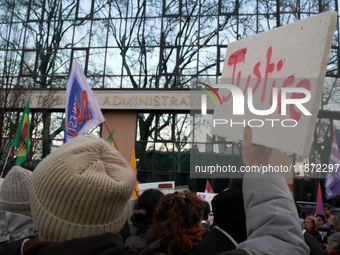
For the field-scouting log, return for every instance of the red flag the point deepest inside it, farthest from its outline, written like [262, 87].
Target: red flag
[319, 202]
[208, 188]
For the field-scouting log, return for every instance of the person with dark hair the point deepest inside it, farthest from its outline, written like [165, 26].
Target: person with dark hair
[321, 225]
[142, 219]
[177, 223]
[320, 220]
[327, 212]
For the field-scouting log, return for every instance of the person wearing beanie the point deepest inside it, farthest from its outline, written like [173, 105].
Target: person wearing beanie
[16, 222]
[79, 199]
[14, 191]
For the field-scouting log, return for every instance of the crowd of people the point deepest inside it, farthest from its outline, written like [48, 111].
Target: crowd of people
[322, 227]
[76, 202]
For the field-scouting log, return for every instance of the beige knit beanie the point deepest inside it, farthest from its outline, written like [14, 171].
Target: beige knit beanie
[14, 192]
[81, 189]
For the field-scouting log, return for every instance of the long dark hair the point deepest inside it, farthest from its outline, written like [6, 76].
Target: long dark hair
[172, 216]
[142, 218]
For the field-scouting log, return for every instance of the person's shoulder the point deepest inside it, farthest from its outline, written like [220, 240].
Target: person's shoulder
[107, 243]
[11, 248]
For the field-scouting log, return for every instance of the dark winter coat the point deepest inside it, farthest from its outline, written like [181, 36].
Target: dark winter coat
[229, 215]
[104, 244]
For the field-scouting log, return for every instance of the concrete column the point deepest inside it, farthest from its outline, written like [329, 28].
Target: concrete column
[124, 125]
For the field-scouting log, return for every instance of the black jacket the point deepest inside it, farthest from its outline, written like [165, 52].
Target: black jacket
[104, 244]
[229, 215]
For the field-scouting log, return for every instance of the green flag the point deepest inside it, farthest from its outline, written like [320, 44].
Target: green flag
[110, 140]
[21, 138]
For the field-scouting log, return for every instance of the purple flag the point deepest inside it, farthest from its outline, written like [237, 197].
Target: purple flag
[82, 111]
[332, 182]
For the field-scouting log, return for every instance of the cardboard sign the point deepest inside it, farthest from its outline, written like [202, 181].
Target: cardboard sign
[273, 82]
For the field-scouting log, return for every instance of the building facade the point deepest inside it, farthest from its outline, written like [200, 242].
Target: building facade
[143, 56]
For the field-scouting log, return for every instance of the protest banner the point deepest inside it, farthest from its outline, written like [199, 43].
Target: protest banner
[273, 82]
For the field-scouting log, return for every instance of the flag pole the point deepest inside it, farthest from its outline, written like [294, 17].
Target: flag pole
[3, 169]
[111, 136]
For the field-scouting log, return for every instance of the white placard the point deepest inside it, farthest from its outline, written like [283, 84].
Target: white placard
[290, 61]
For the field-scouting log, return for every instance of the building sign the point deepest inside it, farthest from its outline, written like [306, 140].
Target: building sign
[125, 99]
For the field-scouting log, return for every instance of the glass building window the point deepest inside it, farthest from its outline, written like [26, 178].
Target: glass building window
[29, 58]
[156, 44]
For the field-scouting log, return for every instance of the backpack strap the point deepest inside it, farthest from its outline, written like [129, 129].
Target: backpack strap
[227, 235]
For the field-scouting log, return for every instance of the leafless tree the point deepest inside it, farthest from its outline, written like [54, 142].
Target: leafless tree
[37, 36]
[13, 100]
[180, 43]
